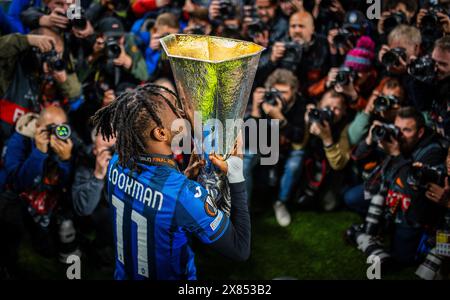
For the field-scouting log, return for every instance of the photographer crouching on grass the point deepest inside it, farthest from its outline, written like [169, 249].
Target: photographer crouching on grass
[400, 206]
[38, 164]
[327, 151]
[279, 101]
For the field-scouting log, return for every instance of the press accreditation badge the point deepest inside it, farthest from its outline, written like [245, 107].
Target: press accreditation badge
[443, 242]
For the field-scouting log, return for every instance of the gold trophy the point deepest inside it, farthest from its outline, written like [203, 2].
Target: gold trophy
[214, 77]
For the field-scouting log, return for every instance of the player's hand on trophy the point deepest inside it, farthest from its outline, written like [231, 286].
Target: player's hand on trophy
[194, 166]
[233, 167]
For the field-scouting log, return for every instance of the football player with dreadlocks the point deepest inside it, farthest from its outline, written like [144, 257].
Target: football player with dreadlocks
[155, 207]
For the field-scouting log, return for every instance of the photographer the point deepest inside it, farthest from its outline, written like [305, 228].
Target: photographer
[285, 105]
[115, 56]
[434, 22]
[38, 162]
[54, 16]
[33, 76]
[343, 39]
[304, 52]
[381, 109]
[355, 79]
[225, 18]
[327, 147]
[88, 192]
[396, 12]
[382, 105]
[407, 210]
[402, 49]
[276, 25]
[438, 114]
[165, 24]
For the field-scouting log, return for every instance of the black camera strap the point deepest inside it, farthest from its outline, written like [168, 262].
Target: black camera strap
[158, 160]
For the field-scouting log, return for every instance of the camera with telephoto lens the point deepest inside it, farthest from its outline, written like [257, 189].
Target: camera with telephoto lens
[421, 176]
[423, 69]
[385, 132]
[54, 62]
[344, 76]
[392, 57]
[429, 269]
[112, 47]
[292, 56]
[342, 38]
[385, 102]
[62, 131]
[271, 96]
[227, 10]
[394, 19]
[321, 115]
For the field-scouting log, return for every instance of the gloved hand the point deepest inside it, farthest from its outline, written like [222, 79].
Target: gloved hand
[233, 167]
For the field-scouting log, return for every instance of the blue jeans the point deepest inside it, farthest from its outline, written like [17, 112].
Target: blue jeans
[354, 199]
[291, 172]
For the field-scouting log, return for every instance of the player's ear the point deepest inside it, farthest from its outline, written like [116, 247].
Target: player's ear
[160, 134]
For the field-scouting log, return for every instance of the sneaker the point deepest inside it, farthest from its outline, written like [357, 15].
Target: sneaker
[282, 214]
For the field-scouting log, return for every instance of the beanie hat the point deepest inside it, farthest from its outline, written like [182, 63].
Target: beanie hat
[360, 58]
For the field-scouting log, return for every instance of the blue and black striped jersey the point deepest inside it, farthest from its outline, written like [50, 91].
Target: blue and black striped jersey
[154, 213]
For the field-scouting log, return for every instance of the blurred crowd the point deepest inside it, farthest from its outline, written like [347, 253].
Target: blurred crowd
[362, 104]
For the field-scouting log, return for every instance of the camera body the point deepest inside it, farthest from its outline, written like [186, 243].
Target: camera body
[62, 131]
[292, 56]
[342, 38]
[423, 69]
[255, 27]
[271, 96]
[431, 20]
[112, 47]
[385, 132]
[197, 30]
[344, 76]
[321, 115]
[394, 19]
[52, 59]
[227, 10]
[392, 57]
[422, 176]
[385, 102]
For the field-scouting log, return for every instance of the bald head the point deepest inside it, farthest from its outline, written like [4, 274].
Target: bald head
[52, 115]
[301, 27]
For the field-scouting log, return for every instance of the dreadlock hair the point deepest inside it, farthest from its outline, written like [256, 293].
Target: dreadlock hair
[130, 117]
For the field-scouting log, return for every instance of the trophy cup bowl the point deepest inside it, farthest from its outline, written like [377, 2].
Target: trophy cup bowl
[214, 77]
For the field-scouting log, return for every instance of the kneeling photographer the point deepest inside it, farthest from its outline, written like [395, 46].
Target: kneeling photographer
[279, 101]
[38, 163]
[396, 206]
[327, 150]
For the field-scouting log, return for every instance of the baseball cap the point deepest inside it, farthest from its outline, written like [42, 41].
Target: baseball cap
[110, 26]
